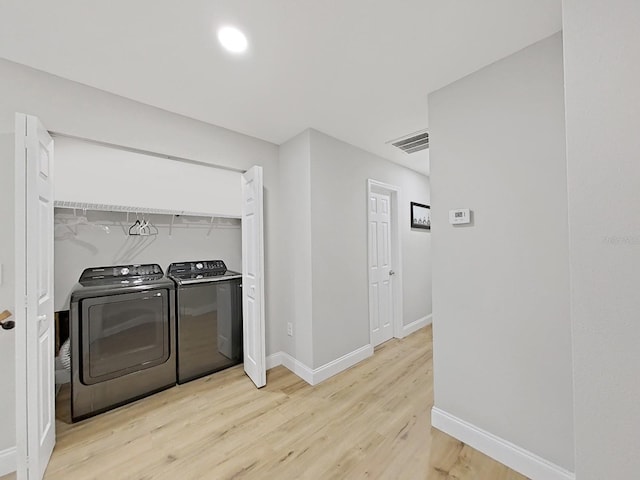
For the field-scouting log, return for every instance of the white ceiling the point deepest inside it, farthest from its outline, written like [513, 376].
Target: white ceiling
[359, 70]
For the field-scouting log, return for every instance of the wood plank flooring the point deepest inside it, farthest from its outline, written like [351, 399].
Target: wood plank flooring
[369, 422]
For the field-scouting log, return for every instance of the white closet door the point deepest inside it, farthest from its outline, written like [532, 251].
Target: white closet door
[35, 369]
[253, 277]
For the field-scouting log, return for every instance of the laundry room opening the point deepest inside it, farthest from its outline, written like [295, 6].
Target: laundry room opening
[122, 220]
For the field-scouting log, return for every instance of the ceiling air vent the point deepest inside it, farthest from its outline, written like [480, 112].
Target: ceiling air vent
[413, 142]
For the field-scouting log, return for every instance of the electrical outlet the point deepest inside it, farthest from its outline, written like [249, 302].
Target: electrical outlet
[290, 329]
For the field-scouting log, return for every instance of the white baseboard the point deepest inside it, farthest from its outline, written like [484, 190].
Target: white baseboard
[513, 456]
[286, 360]
[320, 374]
[7, 461]
[299, 368]
[273, 360]
[415, 326]
[338, 365]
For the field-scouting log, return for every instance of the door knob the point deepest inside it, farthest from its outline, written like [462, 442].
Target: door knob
[6, 324]
[391, 272]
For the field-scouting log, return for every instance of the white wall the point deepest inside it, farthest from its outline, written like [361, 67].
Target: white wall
[91, 173]
[339, 174]
[294, 193]
[602, 71]
[7, 337]
[502, 332]
[73, 109]
[85, 246]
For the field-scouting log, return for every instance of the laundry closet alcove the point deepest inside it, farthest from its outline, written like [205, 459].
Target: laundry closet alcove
[119, 206]
[100, 192]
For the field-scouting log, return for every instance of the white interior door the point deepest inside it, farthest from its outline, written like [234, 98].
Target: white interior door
[253, 277]
[380, 267]
[35, 396]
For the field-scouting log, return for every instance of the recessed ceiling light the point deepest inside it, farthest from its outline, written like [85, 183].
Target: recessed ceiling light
[232, 39]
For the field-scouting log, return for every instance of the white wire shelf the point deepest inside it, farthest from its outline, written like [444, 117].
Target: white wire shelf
[103, 207]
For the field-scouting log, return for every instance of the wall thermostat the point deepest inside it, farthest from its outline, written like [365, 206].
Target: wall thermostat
[459, 216]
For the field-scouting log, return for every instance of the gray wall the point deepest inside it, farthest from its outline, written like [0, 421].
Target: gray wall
[294, 193]
[339, 174]
[74, 109]
[323, 222]
[502, 333]
[84, 246]
[602, 53]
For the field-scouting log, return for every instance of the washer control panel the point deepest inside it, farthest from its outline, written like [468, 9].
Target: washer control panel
[203, 266]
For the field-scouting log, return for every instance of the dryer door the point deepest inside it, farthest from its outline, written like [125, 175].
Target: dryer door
[123, 333]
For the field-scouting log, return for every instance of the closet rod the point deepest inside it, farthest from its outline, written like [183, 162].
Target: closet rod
[146, 152]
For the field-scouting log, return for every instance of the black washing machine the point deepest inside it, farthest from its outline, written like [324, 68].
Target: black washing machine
[208, 317]
[122, 337]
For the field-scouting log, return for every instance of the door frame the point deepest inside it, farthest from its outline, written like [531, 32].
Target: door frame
[22, 190]
[20, 292]
[396, 253]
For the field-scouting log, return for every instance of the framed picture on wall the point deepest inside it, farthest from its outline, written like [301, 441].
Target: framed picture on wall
[420, 216]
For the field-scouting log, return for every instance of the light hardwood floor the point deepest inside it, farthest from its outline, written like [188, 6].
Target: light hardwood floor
[370, 422]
